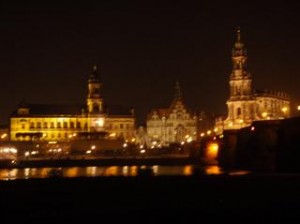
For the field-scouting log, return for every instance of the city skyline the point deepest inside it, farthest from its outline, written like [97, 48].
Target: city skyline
[141, 50]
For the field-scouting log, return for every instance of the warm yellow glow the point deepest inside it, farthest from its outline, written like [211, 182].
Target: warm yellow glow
[212, 150]
[208, 132]
[298, 108]
[252, 128]
[93, 147]
[133, 170]
[213, 170]
[241, 121]
[284, 109]
[88, 151]
[91, 170]
[216, 129]
[72, 172]
[99, 122]
[189, 139]
[187, 170]
[112, 134]
[3, 135]
[202, 134]
[264, 114]
[111, 171]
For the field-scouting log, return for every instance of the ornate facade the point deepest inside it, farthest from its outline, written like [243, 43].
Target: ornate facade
[175, 124]
[66, 122]
[245, 104]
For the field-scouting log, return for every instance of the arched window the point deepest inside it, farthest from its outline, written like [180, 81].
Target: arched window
[239, 111]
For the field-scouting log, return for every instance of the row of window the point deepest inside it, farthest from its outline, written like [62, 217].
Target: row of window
[69, 135]
[70, 125]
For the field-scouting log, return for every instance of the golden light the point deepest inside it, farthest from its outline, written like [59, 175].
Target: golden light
[213, 170]
[93, 147]
[212, 150]
[241, 121]
[298, 107]
[187, 170]
[252, 128]
[208, 132]
[284, 109]
[264, 114]
[99, 122]
[112, 134]
[3, 135]
[202, 134]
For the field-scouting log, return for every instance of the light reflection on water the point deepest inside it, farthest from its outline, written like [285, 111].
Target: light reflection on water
[97, 171]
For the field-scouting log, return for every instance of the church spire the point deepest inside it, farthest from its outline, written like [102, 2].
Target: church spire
[178, 93]
[95, 77]
[94, 99]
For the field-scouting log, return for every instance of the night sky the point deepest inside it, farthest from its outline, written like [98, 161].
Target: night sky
[48, 49]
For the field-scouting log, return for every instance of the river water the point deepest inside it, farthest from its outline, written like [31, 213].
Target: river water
[101, 171]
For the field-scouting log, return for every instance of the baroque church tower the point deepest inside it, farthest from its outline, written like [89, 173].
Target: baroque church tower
[95, 102]
[94, 99]
[245, 104]
[241, 101]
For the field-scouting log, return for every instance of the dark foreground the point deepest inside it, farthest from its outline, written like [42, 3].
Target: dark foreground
[261, 198]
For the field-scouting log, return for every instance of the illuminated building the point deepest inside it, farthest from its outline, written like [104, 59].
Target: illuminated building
[67, 122]
[245, 104]
[175, 124]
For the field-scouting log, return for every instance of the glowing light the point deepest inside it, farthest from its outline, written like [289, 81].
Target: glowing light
[187, 170]
[264, 114]
[284, 109]
[202, 134]
[213, 170]
[88, 151]
[125, 145]
[99, 122]
[252, 128]
[212, 150]
[3, 135]
[142, 151]
[298, 108]
[112, 134]
[93, 147]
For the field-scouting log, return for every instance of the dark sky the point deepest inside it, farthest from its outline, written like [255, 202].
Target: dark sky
[47, 50]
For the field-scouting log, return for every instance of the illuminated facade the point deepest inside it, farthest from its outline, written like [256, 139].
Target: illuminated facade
[67, 122]
[175, 124]
[246, 105]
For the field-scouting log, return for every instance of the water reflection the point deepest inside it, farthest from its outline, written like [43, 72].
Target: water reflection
[97, 171]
